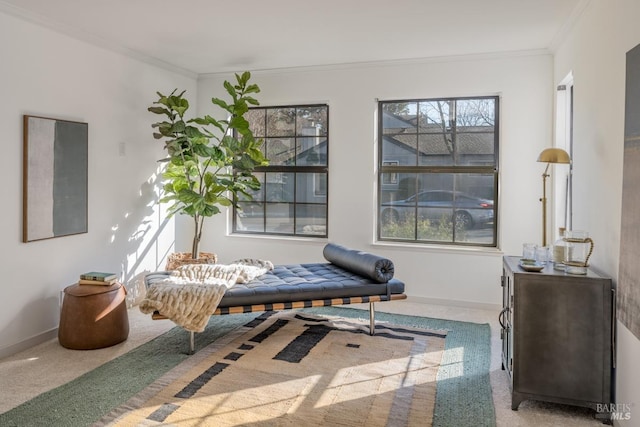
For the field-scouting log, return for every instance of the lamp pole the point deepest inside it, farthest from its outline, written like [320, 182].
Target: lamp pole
[545, 175]
[548, 156]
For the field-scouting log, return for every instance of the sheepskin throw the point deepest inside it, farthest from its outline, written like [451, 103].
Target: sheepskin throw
[191, 294]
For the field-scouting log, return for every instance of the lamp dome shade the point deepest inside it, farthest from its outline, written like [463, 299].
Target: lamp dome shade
[554, 155]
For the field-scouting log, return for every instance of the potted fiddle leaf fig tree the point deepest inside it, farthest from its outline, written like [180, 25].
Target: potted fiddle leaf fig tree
[209, 161]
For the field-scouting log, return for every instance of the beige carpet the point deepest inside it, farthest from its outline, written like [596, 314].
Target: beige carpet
[298, 369]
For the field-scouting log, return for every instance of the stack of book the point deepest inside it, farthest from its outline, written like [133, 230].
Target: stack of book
[98, 278]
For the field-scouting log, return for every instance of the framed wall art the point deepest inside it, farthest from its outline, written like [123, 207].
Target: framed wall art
[55, 168]
[629, 274]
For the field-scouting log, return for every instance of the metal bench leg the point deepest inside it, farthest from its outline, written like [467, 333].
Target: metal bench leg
[372, 318]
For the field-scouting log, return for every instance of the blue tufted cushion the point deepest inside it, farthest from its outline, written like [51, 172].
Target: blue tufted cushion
[299, 282]
[365, 264]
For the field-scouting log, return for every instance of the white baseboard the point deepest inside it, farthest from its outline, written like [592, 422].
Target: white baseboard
[28, 343]
[455, 303]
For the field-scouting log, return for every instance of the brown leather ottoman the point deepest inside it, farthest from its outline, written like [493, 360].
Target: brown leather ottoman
[93, 316]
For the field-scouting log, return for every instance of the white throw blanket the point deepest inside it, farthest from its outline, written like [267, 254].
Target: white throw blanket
[191, 294]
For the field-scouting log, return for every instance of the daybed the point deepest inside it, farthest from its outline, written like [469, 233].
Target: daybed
[349, 277]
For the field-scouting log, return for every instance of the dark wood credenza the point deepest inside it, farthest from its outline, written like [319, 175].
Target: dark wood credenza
[557, 335]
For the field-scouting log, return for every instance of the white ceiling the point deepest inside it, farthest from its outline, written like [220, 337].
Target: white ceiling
[209, 36]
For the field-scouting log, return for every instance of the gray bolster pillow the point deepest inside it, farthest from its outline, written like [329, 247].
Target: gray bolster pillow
[362, 263]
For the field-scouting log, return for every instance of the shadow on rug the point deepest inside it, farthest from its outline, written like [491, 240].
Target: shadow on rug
[293, 368]
[399, 386]
[463, 396]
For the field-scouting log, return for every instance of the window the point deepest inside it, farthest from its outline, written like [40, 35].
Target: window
[437, 171]
[292, 200]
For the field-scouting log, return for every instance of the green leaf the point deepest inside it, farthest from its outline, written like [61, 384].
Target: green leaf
[230, 89]
[193, 132]
[209, 179]
[239, 123]
[210, 210]
[162, 100]
[203, 150]
[252, 89]
[220, 103]
[189, 196]
[159, 110]
[182, 105]
[173, 173]
[240, 107]
[189, 210]
[244, 78]
[178, 127]
[207, 120]
[215, 123]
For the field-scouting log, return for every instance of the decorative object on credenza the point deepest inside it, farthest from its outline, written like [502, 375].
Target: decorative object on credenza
[559, 251]
[578, 251]
[542, 255]
[530, 265]
[209, 161]
[549, 156]
[54, 178]
[529, 251]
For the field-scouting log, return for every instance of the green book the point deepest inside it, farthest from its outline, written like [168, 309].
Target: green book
[98, 276]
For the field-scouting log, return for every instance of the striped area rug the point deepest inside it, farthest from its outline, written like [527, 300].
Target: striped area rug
[298, 369]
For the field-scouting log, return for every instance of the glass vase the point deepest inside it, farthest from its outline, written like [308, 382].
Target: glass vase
[559, 251]
[580, 248]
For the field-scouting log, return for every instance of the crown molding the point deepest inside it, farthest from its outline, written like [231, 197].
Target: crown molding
[488, 56]
[568, 25]
[86, 37]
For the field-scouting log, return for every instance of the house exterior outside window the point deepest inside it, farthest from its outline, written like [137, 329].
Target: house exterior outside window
[438, 171]
[293, 198]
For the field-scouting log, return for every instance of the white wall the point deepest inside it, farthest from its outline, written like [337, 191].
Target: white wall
[595, 52]
[524, 83]
[49, 74]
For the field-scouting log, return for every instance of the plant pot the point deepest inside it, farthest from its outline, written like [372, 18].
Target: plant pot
[177, 259]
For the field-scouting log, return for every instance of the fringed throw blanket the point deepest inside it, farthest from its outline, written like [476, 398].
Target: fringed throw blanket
[192, 293]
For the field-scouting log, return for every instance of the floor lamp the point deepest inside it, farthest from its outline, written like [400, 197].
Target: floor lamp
[548, 156]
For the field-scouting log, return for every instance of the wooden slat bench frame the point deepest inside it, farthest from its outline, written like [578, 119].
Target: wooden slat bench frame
[239, 309]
